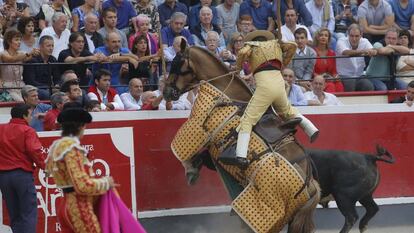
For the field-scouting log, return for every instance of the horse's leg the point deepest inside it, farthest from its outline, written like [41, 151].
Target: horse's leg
[302, 222]
[371, 209]
[347, 208]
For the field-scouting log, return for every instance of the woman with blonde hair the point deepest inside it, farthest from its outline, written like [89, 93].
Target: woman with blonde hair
[326, 66]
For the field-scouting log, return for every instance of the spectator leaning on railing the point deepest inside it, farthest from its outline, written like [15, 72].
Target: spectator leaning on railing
[116, 55]
[353, 67]
[77, 54]
[11, 75]
[384, 64]
[43, 76]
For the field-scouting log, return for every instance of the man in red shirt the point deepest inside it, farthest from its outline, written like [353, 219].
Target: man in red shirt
[57, 100]
[20, 149]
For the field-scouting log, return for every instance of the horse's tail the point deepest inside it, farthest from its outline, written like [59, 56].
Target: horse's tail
[303, 220]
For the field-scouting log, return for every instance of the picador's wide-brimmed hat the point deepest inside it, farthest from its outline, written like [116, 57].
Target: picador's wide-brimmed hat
[251, 36]
[73, 112]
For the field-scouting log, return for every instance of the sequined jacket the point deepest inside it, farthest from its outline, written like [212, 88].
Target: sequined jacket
[259, 52]
[70, 167]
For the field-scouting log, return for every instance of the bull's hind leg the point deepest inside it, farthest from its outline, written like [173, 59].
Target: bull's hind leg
[347, 208]
[371, 208]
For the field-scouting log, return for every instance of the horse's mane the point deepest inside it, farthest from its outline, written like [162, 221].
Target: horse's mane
[211, 55]
[220, 65]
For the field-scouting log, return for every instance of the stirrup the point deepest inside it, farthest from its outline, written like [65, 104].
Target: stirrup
[234, 160]
[291, 123]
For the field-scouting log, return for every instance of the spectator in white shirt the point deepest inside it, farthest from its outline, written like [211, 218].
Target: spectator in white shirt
[318, 96]
[354, 45]
[290, 26]
[58, 32]
[132, 98]
[104, 93]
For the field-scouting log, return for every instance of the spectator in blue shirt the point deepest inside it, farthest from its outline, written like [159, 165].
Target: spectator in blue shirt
[261, 12]
[31, 98]
[404, 14]
[304, 17]
[294, 92]
[176, 28]
[125, 12]
[194, 19]
[118, 58]
[168, 8]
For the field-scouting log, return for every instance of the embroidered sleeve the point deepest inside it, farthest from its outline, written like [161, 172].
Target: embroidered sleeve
[242, 56]
[288, 50]
[82, 182]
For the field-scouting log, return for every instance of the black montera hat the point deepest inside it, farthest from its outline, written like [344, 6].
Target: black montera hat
[73, 112]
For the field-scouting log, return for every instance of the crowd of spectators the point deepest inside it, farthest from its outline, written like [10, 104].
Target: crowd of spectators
[109, 53]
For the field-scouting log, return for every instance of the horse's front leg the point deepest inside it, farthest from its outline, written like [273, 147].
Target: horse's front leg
[192, 173]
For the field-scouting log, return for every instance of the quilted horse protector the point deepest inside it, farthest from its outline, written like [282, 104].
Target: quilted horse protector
[273, 187]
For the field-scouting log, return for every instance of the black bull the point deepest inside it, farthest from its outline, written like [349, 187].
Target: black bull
[347, 176]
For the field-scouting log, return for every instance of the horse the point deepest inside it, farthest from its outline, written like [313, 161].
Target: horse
[277, 188]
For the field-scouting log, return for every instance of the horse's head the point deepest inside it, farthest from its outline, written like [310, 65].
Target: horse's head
[182, 76]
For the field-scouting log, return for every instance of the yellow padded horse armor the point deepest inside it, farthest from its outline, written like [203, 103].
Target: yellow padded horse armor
[267, 203]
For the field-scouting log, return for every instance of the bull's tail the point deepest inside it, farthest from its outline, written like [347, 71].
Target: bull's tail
[303, 220]
[383, 155]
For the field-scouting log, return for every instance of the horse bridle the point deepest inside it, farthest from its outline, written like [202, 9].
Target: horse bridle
[178, 72]
[192, 84]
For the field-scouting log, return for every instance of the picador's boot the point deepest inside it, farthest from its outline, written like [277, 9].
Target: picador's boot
[240, 158]
[309, 128]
